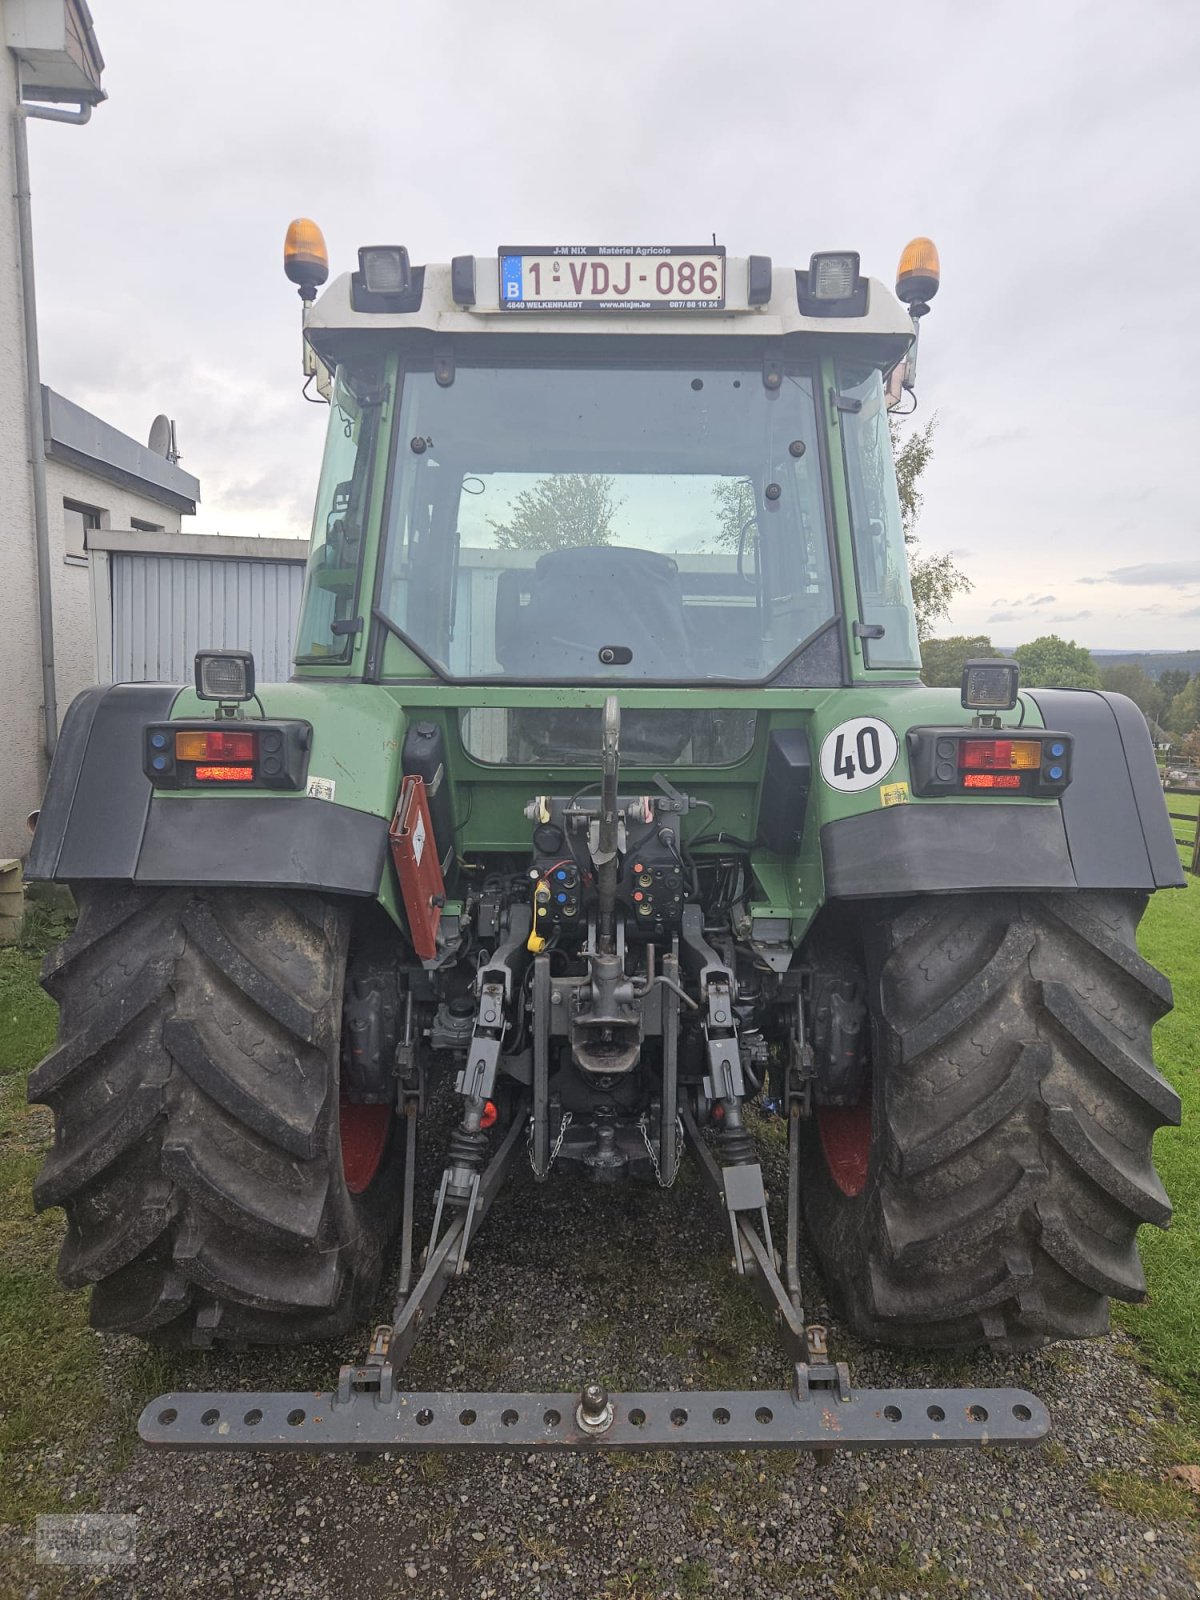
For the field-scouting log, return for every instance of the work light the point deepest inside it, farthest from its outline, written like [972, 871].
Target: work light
[385, 268]
[990, 685]
[224, 674]
[834, 275]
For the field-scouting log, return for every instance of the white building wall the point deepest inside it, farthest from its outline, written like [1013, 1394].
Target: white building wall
[75, 643]
[22, 766]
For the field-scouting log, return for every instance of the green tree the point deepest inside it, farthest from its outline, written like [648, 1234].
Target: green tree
[1128, 678]
[935, 578]
[734, 506]
[1184, 713]
[1191, 746]
[942, 660]
[1172, 682]
[570, 508]
[1054, 663]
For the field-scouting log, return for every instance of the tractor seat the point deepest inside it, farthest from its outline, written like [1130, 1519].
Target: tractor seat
[553, 621]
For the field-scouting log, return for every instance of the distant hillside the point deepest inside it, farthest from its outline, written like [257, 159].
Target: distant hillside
[1153, 662]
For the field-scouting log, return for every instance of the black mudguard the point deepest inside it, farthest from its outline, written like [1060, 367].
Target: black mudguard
[101, 820]
[1110, 830]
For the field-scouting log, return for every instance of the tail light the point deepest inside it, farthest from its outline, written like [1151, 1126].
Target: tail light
[946, 761]
[195, 755]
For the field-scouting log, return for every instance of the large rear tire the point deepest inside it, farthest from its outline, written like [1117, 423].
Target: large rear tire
[991, 1190]
[198, 1143]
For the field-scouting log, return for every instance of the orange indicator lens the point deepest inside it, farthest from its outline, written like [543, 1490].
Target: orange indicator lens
[1000, 754]
[992, 780]
[225, 774]
[213, 744]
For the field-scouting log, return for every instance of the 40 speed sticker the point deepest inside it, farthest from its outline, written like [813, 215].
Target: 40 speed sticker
[857, 754]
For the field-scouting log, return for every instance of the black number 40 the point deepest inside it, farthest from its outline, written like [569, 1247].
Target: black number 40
[867, 748]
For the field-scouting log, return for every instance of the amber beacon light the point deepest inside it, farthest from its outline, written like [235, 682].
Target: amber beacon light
[918, 275]
[305, 258]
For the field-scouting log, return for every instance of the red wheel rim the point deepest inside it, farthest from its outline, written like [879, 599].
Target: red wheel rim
[365, 1132]
[846, 1140]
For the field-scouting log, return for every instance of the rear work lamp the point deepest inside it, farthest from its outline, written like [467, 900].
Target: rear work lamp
[385, 268]
[832, 286]
[989, 685]
[224, 675]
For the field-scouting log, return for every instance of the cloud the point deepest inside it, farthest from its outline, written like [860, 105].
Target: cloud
[1173, 572]
[1004, 616]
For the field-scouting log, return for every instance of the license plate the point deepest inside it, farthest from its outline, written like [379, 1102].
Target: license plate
[612, 278]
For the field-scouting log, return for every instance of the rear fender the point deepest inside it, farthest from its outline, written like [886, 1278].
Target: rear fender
[102, 820]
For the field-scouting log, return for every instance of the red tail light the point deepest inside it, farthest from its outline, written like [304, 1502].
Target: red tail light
[1000, 755]
[225, 774]
[214, 744]
[992, 780]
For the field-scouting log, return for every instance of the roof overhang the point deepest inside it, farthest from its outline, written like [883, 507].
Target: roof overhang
[55, 43]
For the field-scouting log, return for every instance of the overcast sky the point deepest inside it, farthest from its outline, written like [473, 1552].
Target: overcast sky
[1051, 150]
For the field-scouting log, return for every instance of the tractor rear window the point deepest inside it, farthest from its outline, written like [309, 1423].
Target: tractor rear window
[589, 524]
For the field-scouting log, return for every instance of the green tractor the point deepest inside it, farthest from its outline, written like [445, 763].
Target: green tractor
[606, 797]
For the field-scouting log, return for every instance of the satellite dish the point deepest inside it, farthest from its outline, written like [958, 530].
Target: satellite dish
[162, 438]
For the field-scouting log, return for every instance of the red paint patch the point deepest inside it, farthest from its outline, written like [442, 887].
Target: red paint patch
[364, 1137]
[846, 1140]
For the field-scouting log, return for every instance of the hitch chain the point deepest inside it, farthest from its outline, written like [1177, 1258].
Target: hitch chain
[554, 1148]
[644, 1130]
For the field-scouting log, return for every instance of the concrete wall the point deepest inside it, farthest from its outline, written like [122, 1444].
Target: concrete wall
[22, 767]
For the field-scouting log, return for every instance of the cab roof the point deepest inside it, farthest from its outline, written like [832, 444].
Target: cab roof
[883, 332]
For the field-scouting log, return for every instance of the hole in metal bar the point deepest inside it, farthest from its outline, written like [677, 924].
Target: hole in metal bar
[1022, 1413]
[466, 1417]
[678, 1417]
[721, 1415]
[892, 1413]
[637, 1417]
[977, 1413]
[936, 1414]
[552, 1419]
[252, 1418]
[424, 1418]
[764, 1414]
[210, 1416]
[295, 1418]
[168, 1416]
[509, 1418]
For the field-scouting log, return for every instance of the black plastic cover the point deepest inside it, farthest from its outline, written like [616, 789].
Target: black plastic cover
[758, 280]
[462, 280]
[97, 795]
[938, 849]
[423, 755]
[101, 821]
[786, 783]
[1116, 817]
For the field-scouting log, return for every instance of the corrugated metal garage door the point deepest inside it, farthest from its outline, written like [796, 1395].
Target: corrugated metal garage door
[166, 607]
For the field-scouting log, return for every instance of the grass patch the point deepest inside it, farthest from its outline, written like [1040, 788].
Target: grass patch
[1167, 1324]
[49, 1356]
[27, 1014]
[1149, 1499]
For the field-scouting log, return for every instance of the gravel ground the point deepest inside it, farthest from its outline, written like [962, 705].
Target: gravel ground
[568, 1280]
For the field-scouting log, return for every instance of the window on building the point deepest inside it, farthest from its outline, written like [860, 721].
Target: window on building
[139, 526]
[78, 521]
